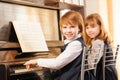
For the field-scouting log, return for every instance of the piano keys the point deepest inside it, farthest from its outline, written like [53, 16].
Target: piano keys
[16, 71]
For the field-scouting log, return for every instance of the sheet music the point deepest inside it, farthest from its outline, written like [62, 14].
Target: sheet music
[30, 36]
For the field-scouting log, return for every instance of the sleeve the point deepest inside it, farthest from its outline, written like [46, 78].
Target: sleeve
[69, 54]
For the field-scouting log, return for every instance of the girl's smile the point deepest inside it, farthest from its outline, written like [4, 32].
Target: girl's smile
[70, 31]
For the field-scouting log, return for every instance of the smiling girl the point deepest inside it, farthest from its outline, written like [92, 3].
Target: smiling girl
[67, 65]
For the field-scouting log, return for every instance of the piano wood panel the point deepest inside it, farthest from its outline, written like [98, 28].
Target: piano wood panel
[47, 17]
[8, 51]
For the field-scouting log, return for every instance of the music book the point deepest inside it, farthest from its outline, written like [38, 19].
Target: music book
[30, 36]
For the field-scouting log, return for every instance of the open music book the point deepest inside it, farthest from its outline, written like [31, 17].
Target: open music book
[30, 36]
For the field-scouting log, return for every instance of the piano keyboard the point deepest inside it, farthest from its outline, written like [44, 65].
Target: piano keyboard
[26, 70]
[18, 71]
[20, 68]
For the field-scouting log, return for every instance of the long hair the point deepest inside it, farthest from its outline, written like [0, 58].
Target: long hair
[92, 20]
[72, 17]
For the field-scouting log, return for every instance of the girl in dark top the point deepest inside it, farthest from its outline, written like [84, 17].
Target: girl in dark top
[96, 37]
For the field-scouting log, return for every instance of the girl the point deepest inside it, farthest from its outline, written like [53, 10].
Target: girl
[68, 63]
[96, 37]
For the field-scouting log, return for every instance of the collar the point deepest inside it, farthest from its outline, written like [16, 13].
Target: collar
[67, 41]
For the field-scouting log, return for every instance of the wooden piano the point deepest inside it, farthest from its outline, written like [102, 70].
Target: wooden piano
[11, 63]
[11, 56]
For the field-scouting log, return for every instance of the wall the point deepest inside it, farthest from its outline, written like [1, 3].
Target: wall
[116, 26]
[91, 6]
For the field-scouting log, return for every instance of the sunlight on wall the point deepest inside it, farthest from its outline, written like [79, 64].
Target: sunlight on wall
[116, 22]
[103, 12]
[116, 25]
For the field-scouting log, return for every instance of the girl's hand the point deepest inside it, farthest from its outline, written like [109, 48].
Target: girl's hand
[30, 63]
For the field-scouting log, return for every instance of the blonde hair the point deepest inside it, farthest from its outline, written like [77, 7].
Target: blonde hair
[72, 17]
[92, 20]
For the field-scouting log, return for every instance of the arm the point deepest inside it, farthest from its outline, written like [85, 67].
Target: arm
[72, 51]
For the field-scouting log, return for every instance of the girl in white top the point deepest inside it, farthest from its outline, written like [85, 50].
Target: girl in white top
[71, 26]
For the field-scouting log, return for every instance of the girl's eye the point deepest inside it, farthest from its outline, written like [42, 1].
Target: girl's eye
[93, 26]
[87, 27]
[72, 26]
[64, 27]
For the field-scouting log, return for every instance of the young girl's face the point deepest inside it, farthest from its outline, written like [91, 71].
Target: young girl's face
[70, 31]
[93, 31]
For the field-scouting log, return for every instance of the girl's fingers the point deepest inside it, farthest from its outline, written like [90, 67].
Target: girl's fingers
[28, 66]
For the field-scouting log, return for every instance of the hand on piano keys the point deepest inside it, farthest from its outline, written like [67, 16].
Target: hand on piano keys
[31, 63]
[21, 68]
[27, 70]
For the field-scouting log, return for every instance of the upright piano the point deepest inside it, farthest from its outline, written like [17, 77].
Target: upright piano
[11, 56]
[12, 60]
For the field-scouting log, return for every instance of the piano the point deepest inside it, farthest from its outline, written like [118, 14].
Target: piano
[11, 56]
[11, 63]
